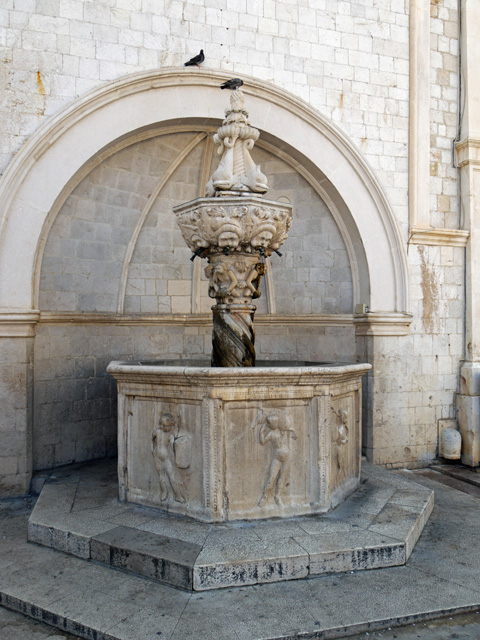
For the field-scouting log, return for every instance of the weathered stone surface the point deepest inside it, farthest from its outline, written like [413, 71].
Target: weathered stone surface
[233, 336]
[153, 556]
[239, 443]
[193, 555]
[239, 558]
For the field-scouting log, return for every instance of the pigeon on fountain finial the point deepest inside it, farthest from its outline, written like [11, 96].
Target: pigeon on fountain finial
[236, 173]
[234, 84]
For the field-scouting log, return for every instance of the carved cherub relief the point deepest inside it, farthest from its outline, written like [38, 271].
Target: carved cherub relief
[234, 281]
[246, 275]
[222, 280]
[275, 430]
[164, 441]
[257, 273]
[340, 438]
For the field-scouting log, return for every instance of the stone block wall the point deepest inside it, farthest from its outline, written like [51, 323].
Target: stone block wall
[16, 400]
[414, 379]
[86, 250]
[444, 114]
[75, 399]
[348, 60]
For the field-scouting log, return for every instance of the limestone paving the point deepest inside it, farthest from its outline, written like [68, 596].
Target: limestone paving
[14, 626]
[92, 601]
[464, 627]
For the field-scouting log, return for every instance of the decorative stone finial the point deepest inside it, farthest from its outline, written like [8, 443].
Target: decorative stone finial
[235, 229]
[236, 174]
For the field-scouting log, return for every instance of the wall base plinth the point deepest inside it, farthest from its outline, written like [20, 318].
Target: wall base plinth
[468, 413]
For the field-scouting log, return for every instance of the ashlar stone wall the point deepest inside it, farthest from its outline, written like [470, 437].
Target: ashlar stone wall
[86, 249]
[350, 61]
[16, 391]
[347, 59]
[444, 114]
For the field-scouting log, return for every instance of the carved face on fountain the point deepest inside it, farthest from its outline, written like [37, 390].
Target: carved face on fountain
[225, 230]
[167, 422]
[264, 234]
[274, 421]
[228, 237]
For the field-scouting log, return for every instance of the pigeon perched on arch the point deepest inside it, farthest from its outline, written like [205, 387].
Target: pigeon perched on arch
[196, 60]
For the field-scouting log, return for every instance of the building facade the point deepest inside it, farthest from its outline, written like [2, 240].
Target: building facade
[370, 127]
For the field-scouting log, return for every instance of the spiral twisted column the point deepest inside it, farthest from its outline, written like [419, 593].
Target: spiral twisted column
[234, 281]
[233, 336]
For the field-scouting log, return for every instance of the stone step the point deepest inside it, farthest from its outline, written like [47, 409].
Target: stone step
[78, 513]
[472, 476]
[148, 554]
[94, 601]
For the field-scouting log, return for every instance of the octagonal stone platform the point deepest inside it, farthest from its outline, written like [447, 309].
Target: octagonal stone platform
[78, 512]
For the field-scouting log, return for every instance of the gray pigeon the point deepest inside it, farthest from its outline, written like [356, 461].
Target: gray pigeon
[197, 60]
[234, 83]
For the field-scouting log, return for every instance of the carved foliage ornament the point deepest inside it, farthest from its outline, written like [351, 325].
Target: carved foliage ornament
[247, 228]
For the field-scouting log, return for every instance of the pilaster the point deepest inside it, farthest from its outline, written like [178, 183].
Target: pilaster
[17, 330]
[468, 156]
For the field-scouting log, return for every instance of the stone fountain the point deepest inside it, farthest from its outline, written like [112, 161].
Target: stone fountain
[233, 440]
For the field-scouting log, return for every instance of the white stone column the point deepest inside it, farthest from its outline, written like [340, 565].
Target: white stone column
[468, 153]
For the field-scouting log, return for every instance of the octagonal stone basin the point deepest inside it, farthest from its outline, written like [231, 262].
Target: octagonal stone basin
[217, 444]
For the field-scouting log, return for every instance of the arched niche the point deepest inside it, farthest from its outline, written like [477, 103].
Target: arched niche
[42, 173]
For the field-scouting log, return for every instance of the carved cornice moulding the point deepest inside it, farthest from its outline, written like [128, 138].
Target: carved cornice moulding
[440, 237]
[18, 324]
[22, 323]
[192, 320]
[382, 324]
[468, 152]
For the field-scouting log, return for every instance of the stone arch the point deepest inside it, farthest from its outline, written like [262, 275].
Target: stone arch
[41, 173]
[125, 202]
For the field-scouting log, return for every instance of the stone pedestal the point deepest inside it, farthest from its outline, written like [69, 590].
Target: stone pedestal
[222, 444]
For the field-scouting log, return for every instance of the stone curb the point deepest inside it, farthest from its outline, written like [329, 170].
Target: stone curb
[84, 630]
